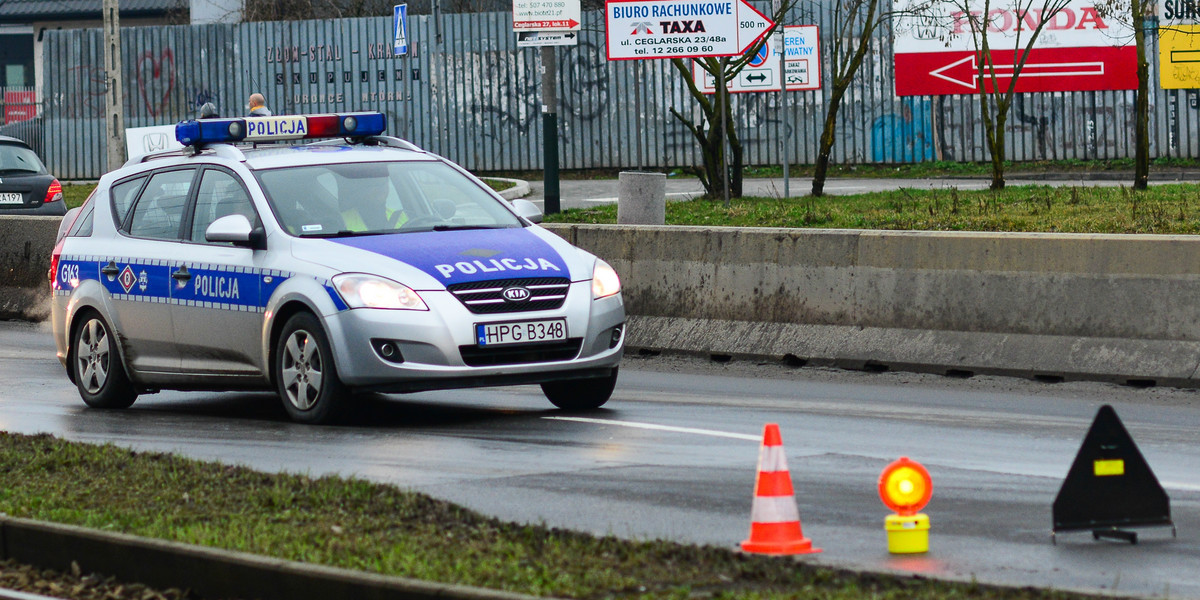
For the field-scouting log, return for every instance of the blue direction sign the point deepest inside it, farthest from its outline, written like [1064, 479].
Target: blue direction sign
[400, 29]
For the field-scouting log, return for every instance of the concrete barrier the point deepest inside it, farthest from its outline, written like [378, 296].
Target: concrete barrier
[25, 247]
[1123, 308]
[642, 198]
[1113, 307]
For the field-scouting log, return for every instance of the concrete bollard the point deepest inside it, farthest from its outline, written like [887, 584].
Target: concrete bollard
[642, 198]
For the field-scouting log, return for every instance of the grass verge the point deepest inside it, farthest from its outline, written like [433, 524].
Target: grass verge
[373, 527]
[1172, 208]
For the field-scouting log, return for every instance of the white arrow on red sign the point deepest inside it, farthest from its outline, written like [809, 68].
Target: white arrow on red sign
[639, 29]
[1045, 70]
[965, 71]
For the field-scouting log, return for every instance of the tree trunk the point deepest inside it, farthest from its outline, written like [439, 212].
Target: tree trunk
[825, 146]
[1141, 161]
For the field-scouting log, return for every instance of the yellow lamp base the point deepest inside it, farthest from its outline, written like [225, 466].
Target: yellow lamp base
[907, 534]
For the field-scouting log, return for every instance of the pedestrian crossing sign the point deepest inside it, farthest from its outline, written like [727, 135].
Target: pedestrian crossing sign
[400, 27]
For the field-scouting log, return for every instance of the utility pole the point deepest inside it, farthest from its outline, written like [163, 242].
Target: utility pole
[550, 129]
[114, 100]
[783, 107]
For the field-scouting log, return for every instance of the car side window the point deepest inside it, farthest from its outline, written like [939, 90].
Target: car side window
[220, 195]
[122, 198]
[159, 209]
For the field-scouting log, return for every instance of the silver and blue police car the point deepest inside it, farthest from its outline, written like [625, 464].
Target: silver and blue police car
[319, 269]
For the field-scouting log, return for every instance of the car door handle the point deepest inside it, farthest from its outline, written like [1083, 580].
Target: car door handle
[182, 274]
[110, 269]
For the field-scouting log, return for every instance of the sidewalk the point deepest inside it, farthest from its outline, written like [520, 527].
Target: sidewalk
[592, 192]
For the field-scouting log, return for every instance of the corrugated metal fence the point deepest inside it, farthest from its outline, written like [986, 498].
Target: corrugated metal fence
[467, 92]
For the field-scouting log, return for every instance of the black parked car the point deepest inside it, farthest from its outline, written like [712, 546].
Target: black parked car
[26, 188]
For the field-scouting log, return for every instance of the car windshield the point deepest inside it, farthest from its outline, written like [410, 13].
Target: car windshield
[372, 198]
[19, 159]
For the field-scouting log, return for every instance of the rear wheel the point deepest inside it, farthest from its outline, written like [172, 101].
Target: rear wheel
[581, 394]
[99, 373]
[305, 376]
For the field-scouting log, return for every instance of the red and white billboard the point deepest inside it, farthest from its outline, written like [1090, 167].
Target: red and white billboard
[1079, 49]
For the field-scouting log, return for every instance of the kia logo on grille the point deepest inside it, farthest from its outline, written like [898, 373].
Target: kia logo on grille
[516, 294]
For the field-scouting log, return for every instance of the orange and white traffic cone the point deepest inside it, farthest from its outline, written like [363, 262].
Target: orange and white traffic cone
[774, 518]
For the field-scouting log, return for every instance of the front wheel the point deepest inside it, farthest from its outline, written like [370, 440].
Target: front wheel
[305, 376]
[97, 367]
[581, 394]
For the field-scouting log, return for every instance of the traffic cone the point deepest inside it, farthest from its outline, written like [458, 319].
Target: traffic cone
[774, 518]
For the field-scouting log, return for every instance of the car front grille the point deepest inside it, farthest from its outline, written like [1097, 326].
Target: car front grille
[487, 297]
[474, 356]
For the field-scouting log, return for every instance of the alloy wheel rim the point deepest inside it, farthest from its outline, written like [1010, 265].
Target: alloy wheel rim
[92, 356]
[302, 370]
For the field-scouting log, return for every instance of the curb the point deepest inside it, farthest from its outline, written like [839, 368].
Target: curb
[520, 188]
[210, 572]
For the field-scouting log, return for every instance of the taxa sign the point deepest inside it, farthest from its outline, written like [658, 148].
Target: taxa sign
[1079, 49]
[639, 29]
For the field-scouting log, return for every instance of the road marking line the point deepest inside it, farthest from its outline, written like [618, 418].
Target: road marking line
[652, 426]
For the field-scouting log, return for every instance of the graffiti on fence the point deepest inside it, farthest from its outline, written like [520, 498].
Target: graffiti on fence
[85, 97]
[904, 137]
[156, 80]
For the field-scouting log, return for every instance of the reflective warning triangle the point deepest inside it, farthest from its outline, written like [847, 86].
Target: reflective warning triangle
[1110, 485]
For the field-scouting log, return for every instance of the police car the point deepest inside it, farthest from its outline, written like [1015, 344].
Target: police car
[322, 268]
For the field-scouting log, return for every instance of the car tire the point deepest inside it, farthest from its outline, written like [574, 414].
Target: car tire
[97, 366]
[305, 376]
[581, 394]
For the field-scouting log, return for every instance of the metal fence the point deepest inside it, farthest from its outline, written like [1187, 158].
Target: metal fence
[467, 92]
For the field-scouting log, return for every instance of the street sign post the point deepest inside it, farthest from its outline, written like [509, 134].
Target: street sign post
[640, 29]
[1079, 49]
[802, 65]
[400, 29]
[546, 15]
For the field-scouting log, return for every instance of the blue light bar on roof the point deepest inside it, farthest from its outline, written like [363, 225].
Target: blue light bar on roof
[284, 127]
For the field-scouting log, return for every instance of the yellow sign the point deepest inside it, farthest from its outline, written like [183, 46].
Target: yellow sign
[1179, 57]
[1108, 468]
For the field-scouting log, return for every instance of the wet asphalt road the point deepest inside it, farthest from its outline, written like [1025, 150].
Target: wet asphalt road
[673, 456]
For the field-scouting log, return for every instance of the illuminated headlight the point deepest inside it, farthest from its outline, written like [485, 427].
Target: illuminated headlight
[367, 291]
[604, 281]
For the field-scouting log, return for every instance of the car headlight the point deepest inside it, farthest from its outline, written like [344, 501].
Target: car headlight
[368, 291]
[604, 281]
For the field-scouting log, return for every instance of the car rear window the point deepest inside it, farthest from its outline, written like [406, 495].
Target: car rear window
[16, 159]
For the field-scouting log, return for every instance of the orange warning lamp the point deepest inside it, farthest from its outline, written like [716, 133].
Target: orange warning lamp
[905, 487]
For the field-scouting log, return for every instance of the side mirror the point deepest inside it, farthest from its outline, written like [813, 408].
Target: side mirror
[237, 230]
[527, 210]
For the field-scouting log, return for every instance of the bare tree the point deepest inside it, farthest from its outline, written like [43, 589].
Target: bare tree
[1002, 28]
[854, 25]
[1134, 13]
[706, 130]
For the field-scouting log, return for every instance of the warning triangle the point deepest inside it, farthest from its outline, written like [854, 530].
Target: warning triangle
[1110, 485]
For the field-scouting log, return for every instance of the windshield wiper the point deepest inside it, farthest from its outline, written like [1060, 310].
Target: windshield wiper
[463, 227]
[345, 233]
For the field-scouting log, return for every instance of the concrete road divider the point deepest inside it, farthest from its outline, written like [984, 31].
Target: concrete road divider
[642, 198]
[25, 247]
[1123, 308]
